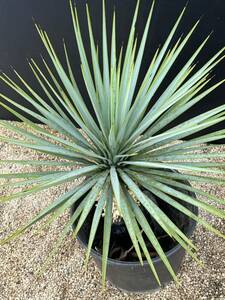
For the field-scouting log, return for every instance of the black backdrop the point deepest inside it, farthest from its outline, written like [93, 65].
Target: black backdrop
[19, 39]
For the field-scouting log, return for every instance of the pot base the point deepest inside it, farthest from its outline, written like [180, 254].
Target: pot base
[134, 278]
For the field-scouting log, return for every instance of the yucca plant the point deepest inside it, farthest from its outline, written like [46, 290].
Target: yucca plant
[125, 147]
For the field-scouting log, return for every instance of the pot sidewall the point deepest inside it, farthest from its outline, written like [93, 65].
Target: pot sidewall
[132, 276]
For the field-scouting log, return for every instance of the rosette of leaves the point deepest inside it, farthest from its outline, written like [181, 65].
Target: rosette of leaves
[127, 145]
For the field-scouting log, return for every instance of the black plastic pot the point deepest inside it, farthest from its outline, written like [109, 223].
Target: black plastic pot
[132, 276]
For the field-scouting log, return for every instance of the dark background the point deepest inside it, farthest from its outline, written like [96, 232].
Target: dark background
[19, 39]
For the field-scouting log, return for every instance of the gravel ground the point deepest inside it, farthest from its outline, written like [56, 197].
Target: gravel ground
[66, 278]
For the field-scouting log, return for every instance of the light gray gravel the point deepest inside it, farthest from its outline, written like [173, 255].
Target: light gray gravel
[66, 278]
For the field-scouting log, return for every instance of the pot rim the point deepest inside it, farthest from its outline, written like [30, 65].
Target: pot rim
[156, 259]
[145, 262]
